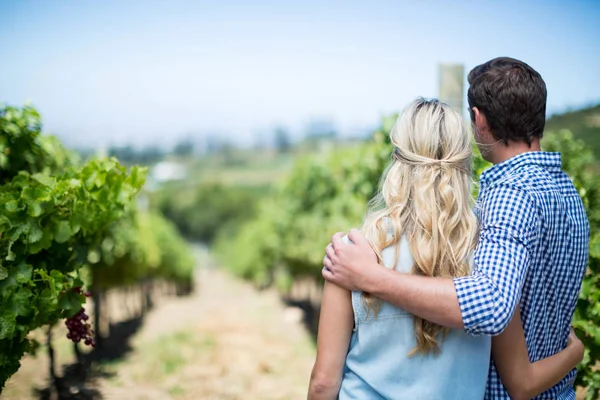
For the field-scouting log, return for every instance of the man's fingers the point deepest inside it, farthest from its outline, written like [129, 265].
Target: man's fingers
[327, 274]
[357, 237]
[327, 263]
[336, 239]
[330, 251]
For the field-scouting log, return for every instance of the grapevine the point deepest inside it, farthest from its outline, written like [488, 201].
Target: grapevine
[53, 212]
[58, 217]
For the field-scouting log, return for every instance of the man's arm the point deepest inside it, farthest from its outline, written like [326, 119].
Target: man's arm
[482, 303]
[433, 299]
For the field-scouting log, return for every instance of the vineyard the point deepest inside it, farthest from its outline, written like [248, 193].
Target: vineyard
[284, 244]
[74, 232]
[68, 228]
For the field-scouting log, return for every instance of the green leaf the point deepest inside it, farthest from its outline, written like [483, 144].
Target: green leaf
[71, 303]
[11, 206]
[7, 324]
[4, 223]
[35, 232]
[43, 193]
[44, 180]
[16, 234]
[90, 179]
[75, 226]
[10, 254]
[22, 272]
[74, 183]
[44, 243]
[3, 273]
[62, 231]
[34, 208]
[20, 302]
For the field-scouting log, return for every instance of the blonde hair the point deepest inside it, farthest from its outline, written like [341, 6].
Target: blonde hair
[425, 194]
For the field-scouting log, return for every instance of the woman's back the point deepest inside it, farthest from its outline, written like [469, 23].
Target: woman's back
[378, 366]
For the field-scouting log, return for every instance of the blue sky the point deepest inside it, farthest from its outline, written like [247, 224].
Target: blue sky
[142, 72]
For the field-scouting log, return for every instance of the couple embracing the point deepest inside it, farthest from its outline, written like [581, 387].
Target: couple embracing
[440, 298]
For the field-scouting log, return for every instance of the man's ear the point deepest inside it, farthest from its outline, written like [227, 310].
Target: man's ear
[480, 122]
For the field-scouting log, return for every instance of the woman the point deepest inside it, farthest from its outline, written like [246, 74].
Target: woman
[422, 222]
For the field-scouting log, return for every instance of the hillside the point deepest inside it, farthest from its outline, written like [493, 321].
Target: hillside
[584, 123]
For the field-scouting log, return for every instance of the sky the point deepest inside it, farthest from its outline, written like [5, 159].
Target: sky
[150, 72]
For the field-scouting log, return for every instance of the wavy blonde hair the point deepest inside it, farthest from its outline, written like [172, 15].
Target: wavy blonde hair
[425, 193]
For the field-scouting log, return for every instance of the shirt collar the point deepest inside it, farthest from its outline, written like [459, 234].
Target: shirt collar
[547, 160]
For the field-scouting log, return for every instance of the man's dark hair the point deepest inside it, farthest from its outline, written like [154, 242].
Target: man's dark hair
[512, 96]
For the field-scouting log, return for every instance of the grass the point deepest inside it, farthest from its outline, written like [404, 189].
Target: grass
[177, 391]
[164, 357]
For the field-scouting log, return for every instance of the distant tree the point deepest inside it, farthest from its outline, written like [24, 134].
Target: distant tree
[129, 155]
[584, 123]
[125, 154]
[184, 148]
[320, 129]
[150, 155]
[283, 143]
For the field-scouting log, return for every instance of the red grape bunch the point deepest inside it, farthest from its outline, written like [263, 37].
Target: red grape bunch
[79, 328]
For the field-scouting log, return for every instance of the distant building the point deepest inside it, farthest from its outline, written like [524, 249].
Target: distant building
[451, 85]
[165, 171]
[168, 171]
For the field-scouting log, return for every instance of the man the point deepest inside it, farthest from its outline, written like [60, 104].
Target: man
[533, 245]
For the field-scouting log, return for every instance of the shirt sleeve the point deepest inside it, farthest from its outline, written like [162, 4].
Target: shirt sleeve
[488, 298]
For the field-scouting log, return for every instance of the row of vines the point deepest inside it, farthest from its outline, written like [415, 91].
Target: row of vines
[328, 192]
[68, 227]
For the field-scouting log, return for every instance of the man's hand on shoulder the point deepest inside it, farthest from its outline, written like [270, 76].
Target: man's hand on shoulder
[353, 265]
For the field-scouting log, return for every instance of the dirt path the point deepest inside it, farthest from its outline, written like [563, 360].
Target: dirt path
[226, 341]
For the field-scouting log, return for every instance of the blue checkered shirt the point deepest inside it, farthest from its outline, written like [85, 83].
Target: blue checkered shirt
[533, 249]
